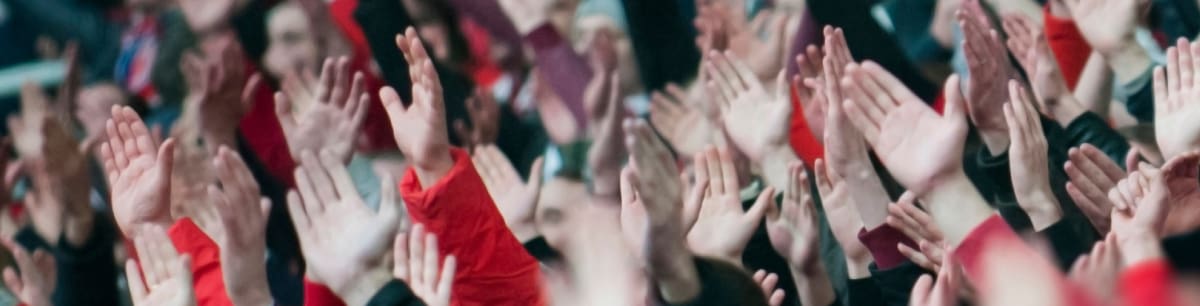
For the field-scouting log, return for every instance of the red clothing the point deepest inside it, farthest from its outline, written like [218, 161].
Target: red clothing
[1071, 50]
[1148, 283]
[493, 267]
[994, 232]
[318, 295]
[206, 262]
[806, 144]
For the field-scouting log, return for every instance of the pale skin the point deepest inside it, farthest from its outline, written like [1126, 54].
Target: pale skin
[420, 128]
[139, 172]
[723, 228]
[794, 233]
[36, 281]
[236, 219]
[1027, 154]
[323, 113]
[417, 263]
[516, 199]
[166, 274]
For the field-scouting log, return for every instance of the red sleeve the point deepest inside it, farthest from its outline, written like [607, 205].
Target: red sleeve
[1148, 283]
[1071, 50]
[206, 262]
[801, 137]
[493, 267]
[261, 131]
[318, 295]
[995, 232]
[882, 242]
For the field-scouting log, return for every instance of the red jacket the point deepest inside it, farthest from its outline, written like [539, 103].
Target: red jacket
[493, 267]
[1071, 50]
[206, 262]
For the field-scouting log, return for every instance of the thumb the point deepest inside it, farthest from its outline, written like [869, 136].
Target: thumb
[756, 212]
[955, 103]
[1131, 159]
[166, 158]
[535, 174]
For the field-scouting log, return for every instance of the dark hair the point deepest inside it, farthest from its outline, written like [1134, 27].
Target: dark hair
[724, 283]
[459, 55]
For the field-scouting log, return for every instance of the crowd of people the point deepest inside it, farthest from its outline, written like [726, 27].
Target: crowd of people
[600, 152]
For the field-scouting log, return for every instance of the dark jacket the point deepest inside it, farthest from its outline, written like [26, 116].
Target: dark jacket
[86, 275]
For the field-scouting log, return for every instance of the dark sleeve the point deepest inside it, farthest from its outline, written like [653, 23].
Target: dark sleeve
[395, 293]
[540, 249]
[1091, 129]
[895, 284]
[1066, 243]
[281, 239]
[663, 42]
[864, 292]
[868, 41]
[85, 275]
[1183, 251]
[723, 284]
[1140, 103]
[381, 21]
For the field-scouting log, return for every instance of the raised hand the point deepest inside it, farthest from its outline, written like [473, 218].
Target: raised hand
[606, 110]
[682, 124]
[761, 41]
[723, 228]
[918, 146]
[416, 260]
[1092, 174]
[768, 282]
[920, 227]
[484, 113]
[1028, 166]
[420, 128]
[34, 285]
[168, 274]
[756, 121]
[1028, 44]
[1176, 92]
[516, 200]
[844, 222]
[1099, 270]
[1181, 174]
[1139, 214]
[342, 239]
[942, 293]
[219, 93]
[987, 62]
[139, 172]
[325, 114]
[794, 228]
[236, 219]
[845, 150]
[656, 174]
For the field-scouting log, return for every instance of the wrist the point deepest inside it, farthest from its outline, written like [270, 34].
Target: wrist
[1065, 108]
[1138, 246]
[434, 168]
[996, 140]
[956, 206]
[1128, 61]
[1043, 209]
[672, 269]
[363, 287]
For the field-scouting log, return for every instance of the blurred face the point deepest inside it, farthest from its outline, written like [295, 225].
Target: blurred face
[95, 106]
[558, 198]
[291, 44]
[626, 64]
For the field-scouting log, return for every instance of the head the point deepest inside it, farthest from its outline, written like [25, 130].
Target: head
[737, 287]
[292, 46]
[94, 106]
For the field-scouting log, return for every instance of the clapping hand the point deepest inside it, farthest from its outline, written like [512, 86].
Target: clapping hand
[1099, 269]
[768, 282]
[756, 121]
[1028, 167]
[1177, 100]
[794, 228]
[1028, 44]
[943, 292]
[139, 172]
[167, 274]
[987, 62]
[680, 122]
[34, 285]
[1091, 175]
[905, 216]
[420, 128]
[843, 217]
[323, 114]
[236, 219]
[342, 239]
[723, 228]
[516, 200]
[416, 260]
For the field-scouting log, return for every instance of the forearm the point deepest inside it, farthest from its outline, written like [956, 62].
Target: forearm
[246, 277]
[866, 190]
[1095, 86]
[671, 265]
[813, 285]
[1042, 207]
[957, 207]
[1064, 109]
[1127, 62]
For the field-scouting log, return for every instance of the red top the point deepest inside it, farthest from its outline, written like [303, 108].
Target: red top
[493, 267]
[1071, 50]
[206, 262]
[1148, 283]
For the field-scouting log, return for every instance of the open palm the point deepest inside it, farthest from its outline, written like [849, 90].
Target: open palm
[793, 228]
[723, 228]
[916, 144]
[1176, 96]
[334, 116]
[756, 121]
[420, 128]
[138, 172]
